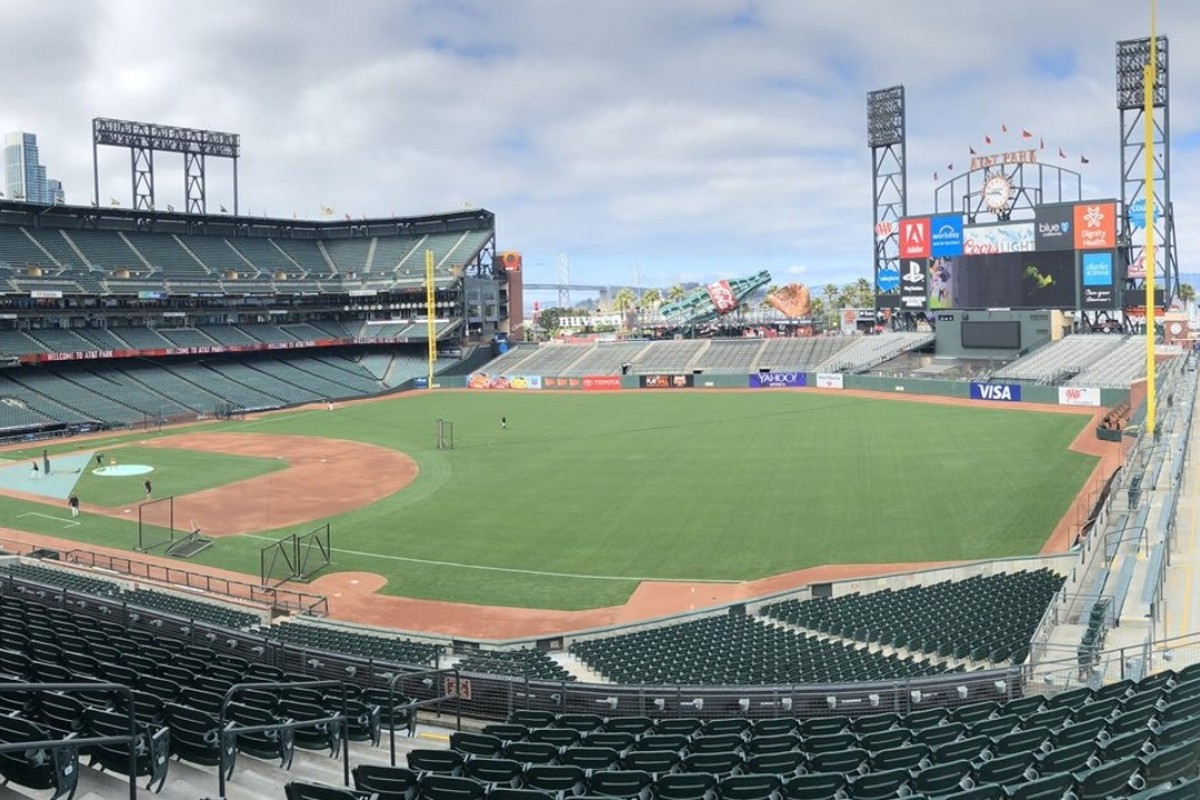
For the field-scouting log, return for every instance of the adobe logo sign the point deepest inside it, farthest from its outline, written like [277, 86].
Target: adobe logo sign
[914, 237]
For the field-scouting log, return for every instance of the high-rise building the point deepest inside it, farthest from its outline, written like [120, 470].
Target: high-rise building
[24, 175]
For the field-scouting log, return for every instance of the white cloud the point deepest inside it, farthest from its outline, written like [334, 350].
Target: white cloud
[704, 138]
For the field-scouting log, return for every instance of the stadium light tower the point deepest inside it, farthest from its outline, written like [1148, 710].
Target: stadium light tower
[1146, 151]
[144, 138]
[886, 138]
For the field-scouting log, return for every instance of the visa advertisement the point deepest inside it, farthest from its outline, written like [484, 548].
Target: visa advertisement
[1002, 392]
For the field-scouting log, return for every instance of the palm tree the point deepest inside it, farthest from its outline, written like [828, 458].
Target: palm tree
[676, 293]
[650, 299]
[624, 299]
[817, 309]
[831, 299]
[866, 293]
[1186, 293]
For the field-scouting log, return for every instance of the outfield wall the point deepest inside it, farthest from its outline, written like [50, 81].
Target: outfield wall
[988, 391]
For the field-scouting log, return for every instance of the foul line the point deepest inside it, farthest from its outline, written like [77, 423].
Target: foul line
[70, 523]
[537, 572]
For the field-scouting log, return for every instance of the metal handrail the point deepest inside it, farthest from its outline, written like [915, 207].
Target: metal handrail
[56, 744]
[344, 717]
[394, 679]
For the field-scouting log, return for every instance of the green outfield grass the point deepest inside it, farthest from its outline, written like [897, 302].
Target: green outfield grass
[586, 494]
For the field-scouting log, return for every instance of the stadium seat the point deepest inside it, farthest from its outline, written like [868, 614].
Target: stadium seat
[943, 778]
[388, 783]
[814, 786]
[425, 761]
[494, 772]
[759, 786]
[311, 790]
[1171, 764]
[449, 787]
[686, 786]
[38, 769]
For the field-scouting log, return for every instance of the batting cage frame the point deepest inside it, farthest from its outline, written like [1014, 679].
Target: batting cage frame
[444, 435]
[295, 557]
[177, 543]
[150, 534]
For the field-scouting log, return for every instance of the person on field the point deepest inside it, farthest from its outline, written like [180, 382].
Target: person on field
[99, 459]
[504, 423]
[73, 504]
[34, 472]
[149, 488]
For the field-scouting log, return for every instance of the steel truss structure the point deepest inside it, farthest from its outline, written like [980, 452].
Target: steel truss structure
[145, 138]
[886, 137]
[1132, 56]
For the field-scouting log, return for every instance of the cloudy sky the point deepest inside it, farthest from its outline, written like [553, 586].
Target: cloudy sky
[681, 140]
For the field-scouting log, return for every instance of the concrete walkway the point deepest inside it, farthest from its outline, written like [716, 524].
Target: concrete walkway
[1183, 590]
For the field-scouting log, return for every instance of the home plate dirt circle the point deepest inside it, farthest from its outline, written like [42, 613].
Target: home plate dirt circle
[323, 477]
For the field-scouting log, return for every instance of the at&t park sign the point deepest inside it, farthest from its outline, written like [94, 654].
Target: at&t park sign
[1014, 157]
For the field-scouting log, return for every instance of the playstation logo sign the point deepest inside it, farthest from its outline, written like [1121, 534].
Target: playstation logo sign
[912, 289]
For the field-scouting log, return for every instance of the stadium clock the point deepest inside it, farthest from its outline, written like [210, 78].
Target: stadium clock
[997, 191]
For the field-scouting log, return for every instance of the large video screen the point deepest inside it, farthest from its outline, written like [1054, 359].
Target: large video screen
[1003, 280]
[1000, 335]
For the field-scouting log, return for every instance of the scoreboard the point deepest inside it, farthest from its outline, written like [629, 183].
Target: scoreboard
[1065, 258]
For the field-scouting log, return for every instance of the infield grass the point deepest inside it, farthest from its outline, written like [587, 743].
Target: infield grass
[585, 494]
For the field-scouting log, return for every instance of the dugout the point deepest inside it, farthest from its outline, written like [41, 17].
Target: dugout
[999, 334]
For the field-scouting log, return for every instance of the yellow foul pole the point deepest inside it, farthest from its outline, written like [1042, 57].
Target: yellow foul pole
[430, 316]
[1149, 79]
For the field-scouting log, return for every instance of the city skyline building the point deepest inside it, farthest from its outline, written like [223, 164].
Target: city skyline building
[24, 175]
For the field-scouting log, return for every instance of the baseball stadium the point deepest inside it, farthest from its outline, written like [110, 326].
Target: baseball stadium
[295, 508]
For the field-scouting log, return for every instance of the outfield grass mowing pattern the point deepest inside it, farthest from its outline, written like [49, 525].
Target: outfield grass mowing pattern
[710, 486]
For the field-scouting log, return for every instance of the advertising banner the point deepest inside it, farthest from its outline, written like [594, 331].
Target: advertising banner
[887, 278]
[1010, 237]
[914, 237]
[777, 380]
[946, 235]
[1078, 396]
[830, 380]
[1004, 280]
[1096, 226]
[722, 296]
[912, 285]
[482, 380]
[1054, 227]
[1003, 392]
[155, 352]
[1097, 279]
[601, 383]
[666, 381]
